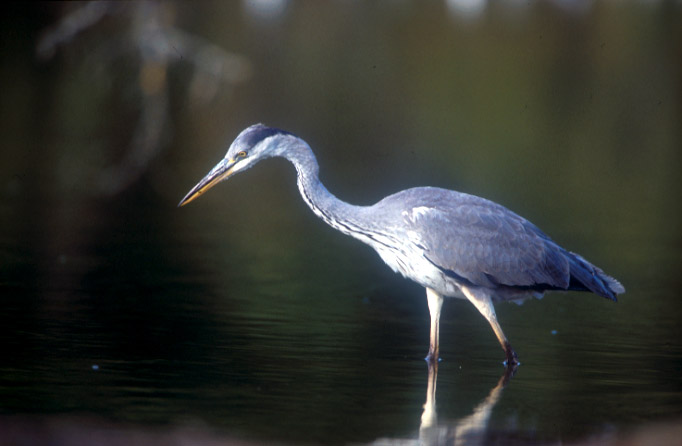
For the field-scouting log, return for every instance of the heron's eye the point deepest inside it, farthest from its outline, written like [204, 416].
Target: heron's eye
[241, 154]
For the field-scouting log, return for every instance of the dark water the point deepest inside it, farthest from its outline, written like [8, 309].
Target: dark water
[242, 317]
[320, 346]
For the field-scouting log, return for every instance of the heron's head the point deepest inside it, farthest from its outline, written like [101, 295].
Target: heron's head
[252, 145]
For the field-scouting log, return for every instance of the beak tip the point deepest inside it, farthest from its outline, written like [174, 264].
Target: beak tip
[189, 197]
[219, 173]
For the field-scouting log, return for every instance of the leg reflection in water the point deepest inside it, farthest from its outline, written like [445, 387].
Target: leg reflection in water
[469, 430]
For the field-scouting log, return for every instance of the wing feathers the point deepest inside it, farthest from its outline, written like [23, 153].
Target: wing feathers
[481, 243]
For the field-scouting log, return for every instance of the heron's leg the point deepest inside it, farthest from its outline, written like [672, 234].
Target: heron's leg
[482, 301]
[435, 301]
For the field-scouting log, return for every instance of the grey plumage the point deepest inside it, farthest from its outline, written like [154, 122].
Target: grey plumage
[481, 243]
[453, 244]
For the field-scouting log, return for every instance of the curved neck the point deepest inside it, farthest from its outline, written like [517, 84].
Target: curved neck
[340, 215]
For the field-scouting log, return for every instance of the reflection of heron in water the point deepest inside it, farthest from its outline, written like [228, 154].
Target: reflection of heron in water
[469, 430]
[451, 243]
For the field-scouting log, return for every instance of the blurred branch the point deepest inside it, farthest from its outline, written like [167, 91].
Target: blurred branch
[70, 25]
[149, 35]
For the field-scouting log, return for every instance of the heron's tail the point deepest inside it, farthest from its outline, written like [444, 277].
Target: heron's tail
[588, 277]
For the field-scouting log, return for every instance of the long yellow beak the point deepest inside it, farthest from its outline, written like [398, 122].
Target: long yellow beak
[220, 172]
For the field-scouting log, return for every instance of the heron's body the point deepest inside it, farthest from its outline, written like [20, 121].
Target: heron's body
[451, 243]
[479, 244]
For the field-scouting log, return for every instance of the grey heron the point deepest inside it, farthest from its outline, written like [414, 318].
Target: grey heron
[451, 243]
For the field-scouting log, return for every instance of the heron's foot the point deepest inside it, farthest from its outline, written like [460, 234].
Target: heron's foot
[512, 358]
[432, 357]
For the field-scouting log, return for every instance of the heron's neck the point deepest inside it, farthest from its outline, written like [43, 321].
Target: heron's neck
[343, 216]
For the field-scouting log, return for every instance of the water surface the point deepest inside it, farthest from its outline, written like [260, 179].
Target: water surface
[250, 348]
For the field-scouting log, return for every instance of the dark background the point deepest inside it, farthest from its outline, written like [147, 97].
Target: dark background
[242, 312]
